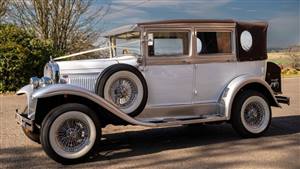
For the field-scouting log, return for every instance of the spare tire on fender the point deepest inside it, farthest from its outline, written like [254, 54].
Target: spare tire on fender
[125, 87]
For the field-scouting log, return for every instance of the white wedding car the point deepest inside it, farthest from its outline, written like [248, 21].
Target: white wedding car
[163, 73]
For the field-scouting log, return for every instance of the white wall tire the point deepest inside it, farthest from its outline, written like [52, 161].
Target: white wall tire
[70, 132]
[136, 90]
[251, 115]
[125, 87]
[259, 124]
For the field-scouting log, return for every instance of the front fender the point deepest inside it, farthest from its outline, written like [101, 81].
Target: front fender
[31, 103]
[65, 89]
[234, 87]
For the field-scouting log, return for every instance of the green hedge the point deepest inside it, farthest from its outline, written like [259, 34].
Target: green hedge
[22, 55]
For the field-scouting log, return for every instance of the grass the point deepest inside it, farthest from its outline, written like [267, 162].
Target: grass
[291, 75]
[283, 59]
[279, 58]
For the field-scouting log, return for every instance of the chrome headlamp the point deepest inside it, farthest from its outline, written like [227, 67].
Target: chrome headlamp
[40, 82]
[51, 70]
[34, 81]
[44, 81]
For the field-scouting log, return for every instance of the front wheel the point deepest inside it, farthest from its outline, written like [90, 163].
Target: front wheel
[251, 115]
[70, 132]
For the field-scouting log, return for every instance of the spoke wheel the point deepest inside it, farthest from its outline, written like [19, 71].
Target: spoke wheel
[70, 133]
[255, 114]
[71, 137]
[123, 92]
[251, 115]
[124, 86]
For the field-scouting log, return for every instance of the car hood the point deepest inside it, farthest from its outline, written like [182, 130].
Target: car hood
[93, 65]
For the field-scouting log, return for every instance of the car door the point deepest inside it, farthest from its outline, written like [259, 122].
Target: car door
[168, 71]
[215, 63]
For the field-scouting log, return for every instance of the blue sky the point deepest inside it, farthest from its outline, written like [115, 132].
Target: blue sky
[283, 16]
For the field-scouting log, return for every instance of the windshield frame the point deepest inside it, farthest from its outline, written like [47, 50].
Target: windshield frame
[136, 37]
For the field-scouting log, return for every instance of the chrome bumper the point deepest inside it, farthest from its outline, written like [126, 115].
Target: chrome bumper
[31, 102]
[24, 121]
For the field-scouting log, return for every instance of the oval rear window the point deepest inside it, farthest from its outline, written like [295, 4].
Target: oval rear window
[246, 40]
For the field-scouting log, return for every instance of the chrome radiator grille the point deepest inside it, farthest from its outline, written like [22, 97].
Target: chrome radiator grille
[87, 81]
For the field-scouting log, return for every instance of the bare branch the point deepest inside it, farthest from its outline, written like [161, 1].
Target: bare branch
[70, 24]
[3, 8]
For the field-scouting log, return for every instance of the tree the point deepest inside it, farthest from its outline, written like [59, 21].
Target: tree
[22, 55]
[70, 24]
[3, 8]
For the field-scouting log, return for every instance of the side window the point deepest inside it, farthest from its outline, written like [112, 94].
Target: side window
[214, 42]
[168, 44]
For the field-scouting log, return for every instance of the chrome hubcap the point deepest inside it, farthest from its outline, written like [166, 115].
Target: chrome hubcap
[254, 114]
[73, 135]
[123, 92]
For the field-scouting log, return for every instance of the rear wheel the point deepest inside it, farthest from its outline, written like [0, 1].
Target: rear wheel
[251, 115]
[70, 133]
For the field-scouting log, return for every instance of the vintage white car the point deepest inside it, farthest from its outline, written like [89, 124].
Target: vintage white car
[163, 73]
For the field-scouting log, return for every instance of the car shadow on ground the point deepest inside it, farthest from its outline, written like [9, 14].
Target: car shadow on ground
[149, 141]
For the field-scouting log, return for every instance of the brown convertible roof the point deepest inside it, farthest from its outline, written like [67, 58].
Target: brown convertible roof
[134, 27]
[256, 23]
[258, 30]
[189, 21]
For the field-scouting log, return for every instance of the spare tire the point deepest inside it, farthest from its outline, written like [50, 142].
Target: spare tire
[125, 87]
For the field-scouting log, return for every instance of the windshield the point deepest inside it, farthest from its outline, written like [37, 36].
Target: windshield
[126, 44]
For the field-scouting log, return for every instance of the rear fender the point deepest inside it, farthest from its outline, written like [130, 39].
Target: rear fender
[230, 92]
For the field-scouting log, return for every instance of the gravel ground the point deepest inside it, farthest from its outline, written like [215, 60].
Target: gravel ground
[212, 146]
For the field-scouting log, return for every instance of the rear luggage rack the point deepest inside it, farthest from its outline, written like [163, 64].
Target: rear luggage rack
[283, 99]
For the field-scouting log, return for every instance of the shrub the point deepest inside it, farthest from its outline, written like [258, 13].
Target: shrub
[294, 56]
[289, 71]
[22, 55]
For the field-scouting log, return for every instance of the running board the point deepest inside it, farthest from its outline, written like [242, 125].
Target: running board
[174, 121]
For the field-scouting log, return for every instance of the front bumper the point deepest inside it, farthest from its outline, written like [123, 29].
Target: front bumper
[24, 121]
[26, 118]
[31, 102]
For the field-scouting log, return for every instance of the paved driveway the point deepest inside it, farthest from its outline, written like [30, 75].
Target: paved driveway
[213, 146]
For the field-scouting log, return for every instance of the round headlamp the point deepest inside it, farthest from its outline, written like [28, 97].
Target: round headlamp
[34, 81]
[44, 81]
[51, 70]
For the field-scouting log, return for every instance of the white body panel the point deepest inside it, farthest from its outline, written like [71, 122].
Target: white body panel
[169, 84]
[212, 78]
[84, 73]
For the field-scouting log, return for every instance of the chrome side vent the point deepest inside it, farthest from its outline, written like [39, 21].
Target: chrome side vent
[86, 81]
